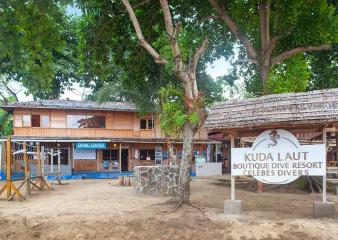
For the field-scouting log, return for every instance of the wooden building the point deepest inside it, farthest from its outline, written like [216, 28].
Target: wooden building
[106, 137]
[312, 117]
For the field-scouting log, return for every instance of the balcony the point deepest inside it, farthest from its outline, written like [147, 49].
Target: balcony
[82, 132]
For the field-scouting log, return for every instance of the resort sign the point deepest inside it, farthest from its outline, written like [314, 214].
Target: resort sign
[276, 157]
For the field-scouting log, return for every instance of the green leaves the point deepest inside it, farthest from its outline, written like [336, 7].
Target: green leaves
[173, 114]
[292, 75]
[30, 35]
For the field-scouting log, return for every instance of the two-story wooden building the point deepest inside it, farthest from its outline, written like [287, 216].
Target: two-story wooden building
[91, 137]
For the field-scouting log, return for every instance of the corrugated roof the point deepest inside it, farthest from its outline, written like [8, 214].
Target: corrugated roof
[71, 104]
[317, 107]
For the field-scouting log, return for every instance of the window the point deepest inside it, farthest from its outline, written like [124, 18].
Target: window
[150, 124]
[26, 120]
[35, 120]
[111, 154]
[63, 157]
[143, 124]
[76, 121]
[147, 154]
[146, 124]
[84, 121]
[44, 121]
[95, 122]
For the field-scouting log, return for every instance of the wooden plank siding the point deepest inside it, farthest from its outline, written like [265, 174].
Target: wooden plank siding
[117, 125]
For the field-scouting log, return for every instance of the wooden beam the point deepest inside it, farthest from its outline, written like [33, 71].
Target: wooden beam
[324, 177]
[232, 177]
[27, 177]
[9, 186]
[120, 157]
[8, 169]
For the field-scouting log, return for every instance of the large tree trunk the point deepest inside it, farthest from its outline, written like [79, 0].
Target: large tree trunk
[171, 157]
[264, 70]
[185, 164]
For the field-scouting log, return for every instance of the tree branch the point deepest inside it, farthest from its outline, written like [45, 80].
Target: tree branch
[142, 41]
[252, 54]
[198, 53]
[292, 52]
[172, 36]
[271, 47]
[209, 17]
[140, 4]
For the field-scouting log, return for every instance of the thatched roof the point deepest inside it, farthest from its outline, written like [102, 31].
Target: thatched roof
[71, 104]
[317, 107]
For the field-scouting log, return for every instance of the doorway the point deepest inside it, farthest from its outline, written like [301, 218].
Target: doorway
[124, 160]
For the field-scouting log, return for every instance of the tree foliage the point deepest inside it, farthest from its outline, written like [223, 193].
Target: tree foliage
[292, 75]
[323, 66]
[173, 113]
[123, 70]
[38, 42]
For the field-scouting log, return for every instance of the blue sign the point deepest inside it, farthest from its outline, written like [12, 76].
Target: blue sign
[90, 145]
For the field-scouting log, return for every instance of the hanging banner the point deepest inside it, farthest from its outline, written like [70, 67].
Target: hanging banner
[276, 157]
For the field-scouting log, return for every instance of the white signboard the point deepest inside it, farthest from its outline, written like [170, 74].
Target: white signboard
[276, 157]
[85, 154]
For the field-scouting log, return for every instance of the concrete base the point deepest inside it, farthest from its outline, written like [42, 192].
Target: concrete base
[233, 207]
[327, 209]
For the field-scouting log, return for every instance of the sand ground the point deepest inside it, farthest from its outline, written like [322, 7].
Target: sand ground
[101, 209]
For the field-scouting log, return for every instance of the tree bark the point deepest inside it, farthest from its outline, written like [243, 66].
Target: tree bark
[185, 165]
[171, 157]
[264, 70]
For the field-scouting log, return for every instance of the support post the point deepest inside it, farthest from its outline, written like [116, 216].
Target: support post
[325, 208]
[232, 177]
[59, 161]
[120, 157]
[41, 182]
[9, 186]
[38, 151]
[324, 177]
[216, 150]
[43, 158]
[8, 168]
[51, 161]
[27, 174]
[73, 152]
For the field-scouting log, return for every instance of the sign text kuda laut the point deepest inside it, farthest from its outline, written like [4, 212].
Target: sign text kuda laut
[276, 157]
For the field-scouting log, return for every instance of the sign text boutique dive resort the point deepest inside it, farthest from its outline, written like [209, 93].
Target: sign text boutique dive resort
[276, 157]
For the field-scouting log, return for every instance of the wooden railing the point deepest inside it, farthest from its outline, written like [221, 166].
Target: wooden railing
[81, 132]
[94, 132]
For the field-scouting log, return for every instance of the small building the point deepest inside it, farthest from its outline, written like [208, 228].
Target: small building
[94, 137]
[310, 116]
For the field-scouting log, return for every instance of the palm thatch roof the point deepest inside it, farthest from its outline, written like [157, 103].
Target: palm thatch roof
[71, 104]
[317, 108]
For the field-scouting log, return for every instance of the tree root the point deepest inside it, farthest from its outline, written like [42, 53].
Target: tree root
[178, 204]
